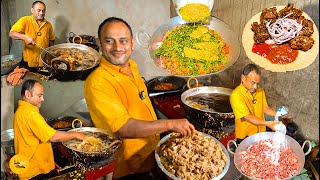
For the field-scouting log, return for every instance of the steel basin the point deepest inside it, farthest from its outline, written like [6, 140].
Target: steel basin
[292, 143]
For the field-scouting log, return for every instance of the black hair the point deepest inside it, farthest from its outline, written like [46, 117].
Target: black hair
[34, 3]
[28, 85]
[111, 20]
[251, 67]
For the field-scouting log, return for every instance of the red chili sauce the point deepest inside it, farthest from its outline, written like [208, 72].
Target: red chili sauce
[276, 54]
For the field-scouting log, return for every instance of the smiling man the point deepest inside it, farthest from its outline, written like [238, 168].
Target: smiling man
[34, 29]
[118, 102]
[249, 104]
[33, 136]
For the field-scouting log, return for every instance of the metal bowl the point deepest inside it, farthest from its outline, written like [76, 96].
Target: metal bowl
[290, 142]
[171, 176]
[181, 3]
[6, 59]
[216, 24]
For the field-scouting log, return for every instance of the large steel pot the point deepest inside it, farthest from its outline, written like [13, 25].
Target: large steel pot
[67, 74]
[113, 141]
[293, 144]
[214, 23]
[205, 117]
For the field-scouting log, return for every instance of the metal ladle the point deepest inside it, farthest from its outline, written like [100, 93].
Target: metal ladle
[46, 50]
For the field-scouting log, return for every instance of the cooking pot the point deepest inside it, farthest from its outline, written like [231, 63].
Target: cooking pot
[67, 74]
[114, 143]
[171, 176]
[208, 117]
[7, 141]
[83, 39]
[214, 23]
[177, 82]
[65, 123]
[9, 62]
[293, 144]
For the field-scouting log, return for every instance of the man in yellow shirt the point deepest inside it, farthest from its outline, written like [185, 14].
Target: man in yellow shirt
[32, 135]
[249, 105]
[118, 102]
[34, 29]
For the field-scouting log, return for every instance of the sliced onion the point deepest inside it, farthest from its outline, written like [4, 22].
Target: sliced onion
[270, 41]
[284, 29]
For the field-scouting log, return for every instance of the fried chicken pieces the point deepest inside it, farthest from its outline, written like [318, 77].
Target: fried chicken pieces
[303, 41]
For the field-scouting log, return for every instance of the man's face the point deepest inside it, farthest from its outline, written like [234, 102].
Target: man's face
[38, 11]
[116, 43]
[251, 81]
[36, 96]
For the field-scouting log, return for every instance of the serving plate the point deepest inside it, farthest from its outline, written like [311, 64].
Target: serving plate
[303, 60]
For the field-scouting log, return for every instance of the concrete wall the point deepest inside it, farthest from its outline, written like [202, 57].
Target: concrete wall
[298, 90]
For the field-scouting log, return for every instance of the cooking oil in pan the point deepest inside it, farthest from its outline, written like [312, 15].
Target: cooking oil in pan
[105, 140]
[213, 102]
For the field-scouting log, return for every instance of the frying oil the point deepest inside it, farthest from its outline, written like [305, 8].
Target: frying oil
[212, 102]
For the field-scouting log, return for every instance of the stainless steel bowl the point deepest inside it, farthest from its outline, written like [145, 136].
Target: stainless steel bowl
[10, 68]
[223, 29]
[171, 176]
[292, 143]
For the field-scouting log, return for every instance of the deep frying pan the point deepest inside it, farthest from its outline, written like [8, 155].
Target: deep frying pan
[178, 82]
[65, 74]
[206, 117]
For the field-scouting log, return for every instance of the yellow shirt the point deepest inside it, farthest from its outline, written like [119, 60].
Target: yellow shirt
[28, 25]
[112, 98]
[31, 139]
[241, 103]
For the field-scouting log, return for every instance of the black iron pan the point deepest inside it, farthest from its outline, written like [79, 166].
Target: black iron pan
[178, 85]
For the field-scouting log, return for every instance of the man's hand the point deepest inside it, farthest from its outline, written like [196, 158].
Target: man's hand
[271, 124]
[29, 40]
[80, 136]
[182, 126]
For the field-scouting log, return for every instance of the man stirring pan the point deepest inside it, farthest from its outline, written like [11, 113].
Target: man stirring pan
[33, 136]
[118, 102]
[249, 105]
[34, 29]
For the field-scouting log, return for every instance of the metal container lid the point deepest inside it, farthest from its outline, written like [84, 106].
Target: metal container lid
[7, 137]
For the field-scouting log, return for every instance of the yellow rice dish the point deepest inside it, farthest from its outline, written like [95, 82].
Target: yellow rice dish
[195, 12]
[192, 50]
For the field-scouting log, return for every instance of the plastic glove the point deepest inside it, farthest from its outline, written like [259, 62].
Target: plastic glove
[272, 124]
[15, 78]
